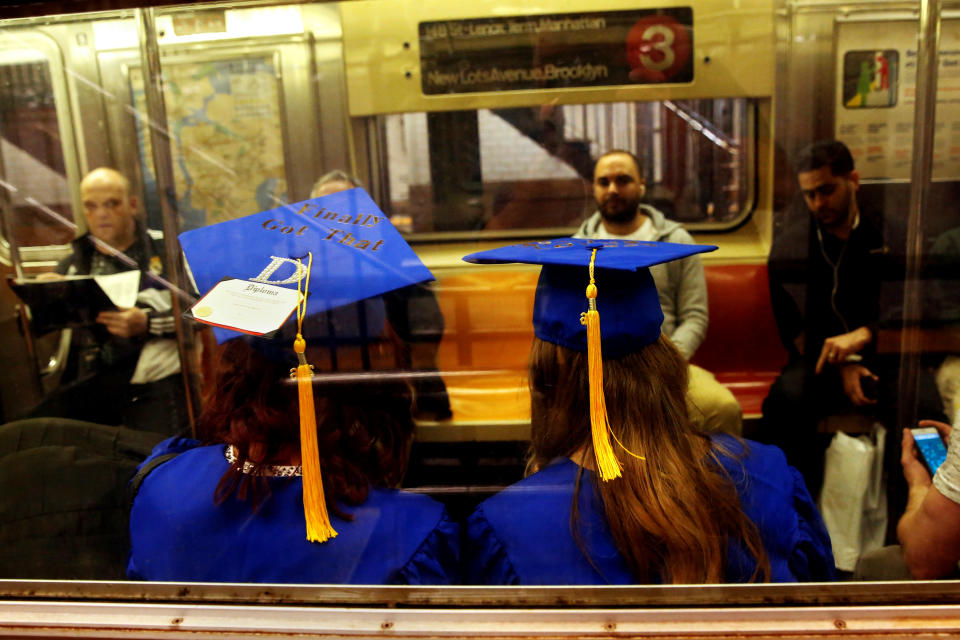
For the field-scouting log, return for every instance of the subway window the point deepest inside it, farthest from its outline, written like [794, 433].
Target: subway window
[531, 168]
[33, 155]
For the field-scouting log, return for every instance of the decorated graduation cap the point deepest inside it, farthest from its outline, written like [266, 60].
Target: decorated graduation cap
[259, 272]
[582, 278]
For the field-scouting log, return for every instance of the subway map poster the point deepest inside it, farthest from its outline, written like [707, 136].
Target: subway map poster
[226, 138]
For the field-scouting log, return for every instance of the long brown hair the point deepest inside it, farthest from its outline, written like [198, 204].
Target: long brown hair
[672, 515]
[364, 426]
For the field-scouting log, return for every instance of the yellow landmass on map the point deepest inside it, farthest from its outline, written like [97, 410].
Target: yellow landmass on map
[220, 109]
[233, 152]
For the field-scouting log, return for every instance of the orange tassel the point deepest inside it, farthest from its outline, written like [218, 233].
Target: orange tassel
[319, 528]
[315, 513]
[607, 464]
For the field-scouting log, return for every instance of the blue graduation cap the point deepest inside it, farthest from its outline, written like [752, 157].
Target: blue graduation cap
[356, 254]
[311, 257]
[627, 297]
[581, 280]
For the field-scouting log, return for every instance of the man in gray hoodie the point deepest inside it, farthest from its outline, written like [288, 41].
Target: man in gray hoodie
[618, 188]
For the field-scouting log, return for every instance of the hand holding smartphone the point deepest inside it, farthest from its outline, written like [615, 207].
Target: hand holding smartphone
[932, 450]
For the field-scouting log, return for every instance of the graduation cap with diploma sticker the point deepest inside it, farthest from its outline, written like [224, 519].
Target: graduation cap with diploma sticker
[311, 257]
[356, 254]
[582, 280]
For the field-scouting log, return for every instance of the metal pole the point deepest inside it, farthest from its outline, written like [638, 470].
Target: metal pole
[924, 114]
[6, 221]
[163, 168]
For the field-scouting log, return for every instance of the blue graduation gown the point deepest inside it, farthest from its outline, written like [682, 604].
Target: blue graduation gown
[178, 534]
[522, 535]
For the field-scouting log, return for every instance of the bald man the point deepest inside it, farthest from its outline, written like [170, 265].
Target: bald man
[334, 182]
[110, 212]
[125, 368]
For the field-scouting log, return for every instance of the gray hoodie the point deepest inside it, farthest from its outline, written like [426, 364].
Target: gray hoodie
[681, 283]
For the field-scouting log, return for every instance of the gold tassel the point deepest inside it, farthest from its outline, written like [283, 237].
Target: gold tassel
[607, 463]
[315, 513]
[319, 528]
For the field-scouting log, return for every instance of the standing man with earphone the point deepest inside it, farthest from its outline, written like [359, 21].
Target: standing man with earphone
[827, 273]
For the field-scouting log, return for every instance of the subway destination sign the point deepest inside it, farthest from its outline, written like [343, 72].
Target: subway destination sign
[556, 51]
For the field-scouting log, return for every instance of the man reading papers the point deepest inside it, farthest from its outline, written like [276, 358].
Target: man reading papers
[124, 367]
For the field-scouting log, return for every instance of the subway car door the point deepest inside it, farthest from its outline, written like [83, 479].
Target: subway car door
[39, 172]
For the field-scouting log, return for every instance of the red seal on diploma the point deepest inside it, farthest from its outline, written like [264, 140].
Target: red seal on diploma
[657, 48]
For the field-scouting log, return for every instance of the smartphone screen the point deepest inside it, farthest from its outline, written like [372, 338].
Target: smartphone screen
[931, 447]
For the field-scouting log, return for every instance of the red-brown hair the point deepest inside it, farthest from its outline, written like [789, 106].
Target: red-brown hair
[364, 425]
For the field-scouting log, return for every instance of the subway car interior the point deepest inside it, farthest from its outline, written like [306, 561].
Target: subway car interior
[139, 138]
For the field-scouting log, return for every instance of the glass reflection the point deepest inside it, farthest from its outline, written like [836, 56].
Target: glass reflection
[258, 109]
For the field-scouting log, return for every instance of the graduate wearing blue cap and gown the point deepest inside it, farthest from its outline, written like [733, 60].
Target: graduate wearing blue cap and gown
[228, 512]
[555, 527]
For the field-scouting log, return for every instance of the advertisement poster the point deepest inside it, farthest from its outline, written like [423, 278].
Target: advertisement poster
[876, 86]
[870, 78]
[517, 53]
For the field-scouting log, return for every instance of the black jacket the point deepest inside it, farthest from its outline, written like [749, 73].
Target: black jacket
[805, 266]
[94, 349]
[146, 252]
